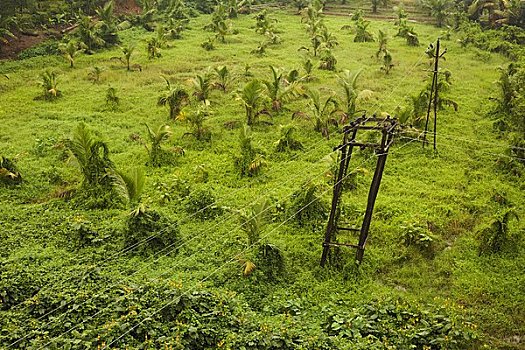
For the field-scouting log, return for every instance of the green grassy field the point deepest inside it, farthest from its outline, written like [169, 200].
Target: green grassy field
[448, 196]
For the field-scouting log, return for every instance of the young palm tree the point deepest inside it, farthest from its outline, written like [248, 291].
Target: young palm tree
[220, 24]
[9, 173]
[274, 89]
[253, 97]
[130, 185]
[156, 138]
[382, 39]
[375, 4]
[153, 48]
[89, 34]
[308, 67]
[202, 84]
[263, 22]
[92, 156]
[405, 31]
[323, 112]
[249, 162]
[439, 9]
[254, 220]
[209, 44]
[94, 74]
[328, 39]
[70, 51]
[412, 38]
[387, 62]
[362, 34]
[223, 78]
[260, 50]
[106, 24]
[5, 24]
[175, 98]
[277, 92]
[348, 81]
[127, 51]
[327, 60]
[196, 121]
[49, 85]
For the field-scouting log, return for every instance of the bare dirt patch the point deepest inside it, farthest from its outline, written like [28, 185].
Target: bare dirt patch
[22, 41]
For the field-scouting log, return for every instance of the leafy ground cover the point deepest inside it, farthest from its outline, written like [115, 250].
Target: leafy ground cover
[184, 269]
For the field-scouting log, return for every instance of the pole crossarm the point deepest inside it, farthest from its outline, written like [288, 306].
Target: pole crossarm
[386, 128]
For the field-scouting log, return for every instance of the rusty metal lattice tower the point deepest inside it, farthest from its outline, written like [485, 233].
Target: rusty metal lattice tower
[385, 126]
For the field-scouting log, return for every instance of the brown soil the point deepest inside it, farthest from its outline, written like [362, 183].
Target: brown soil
[25, 41]
[127, 7]
[20, 43]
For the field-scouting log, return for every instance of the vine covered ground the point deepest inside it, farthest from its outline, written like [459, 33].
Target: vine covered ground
[127, 223]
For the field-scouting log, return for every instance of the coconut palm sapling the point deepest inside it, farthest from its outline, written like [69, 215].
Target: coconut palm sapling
[175, 98]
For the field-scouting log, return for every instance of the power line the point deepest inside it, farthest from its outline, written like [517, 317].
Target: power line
[477, 150]
[127, 249]
[233, 258]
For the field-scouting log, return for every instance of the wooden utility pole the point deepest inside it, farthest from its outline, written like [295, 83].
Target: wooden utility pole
[387, 128]
[433, 98]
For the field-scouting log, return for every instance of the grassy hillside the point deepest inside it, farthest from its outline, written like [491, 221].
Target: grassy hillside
[67, 278]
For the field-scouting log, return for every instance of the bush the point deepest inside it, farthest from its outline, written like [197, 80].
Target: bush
[46, 48]
[418, 238]
[405, 326]
[147, 231]
[250, 162]
[201, 204]
[270, 261]
[306, 206]
[81, 234]
[497, 235]
[9, 174]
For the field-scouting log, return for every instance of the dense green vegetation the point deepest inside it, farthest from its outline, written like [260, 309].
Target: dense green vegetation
[165, 178]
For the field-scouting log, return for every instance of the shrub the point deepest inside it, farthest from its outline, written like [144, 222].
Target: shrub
[81, 234]
[404, 325]
[418, 238]
[270, 261]
[112, 100]
[147, 231]
[306, 206]
[9, 174]
[209, 44]
[250, 162]
[287, 141]
[497, 235]
[45, 48]
[201, 204]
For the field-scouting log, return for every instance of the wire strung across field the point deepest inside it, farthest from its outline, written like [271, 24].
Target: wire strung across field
[128, 249]
[233, 259]
[184, 220]
[477, 141]
[477, 150]
[170, 248]
[212, 243]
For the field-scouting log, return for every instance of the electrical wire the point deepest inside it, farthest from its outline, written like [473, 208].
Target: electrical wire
[127, 249]
[244, 251]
